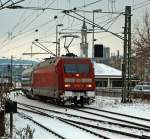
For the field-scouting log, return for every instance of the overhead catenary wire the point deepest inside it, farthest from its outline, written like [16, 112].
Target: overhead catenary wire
[47, 8]
[117, 12]
[146, 4]
[3, 5]
[43, 47]
[112, 21]
[140, 5]
[134, 7]
[28, 31]
[102, 25]
[34, 18]
[89, 4]
[91, 23]
[108, 22]
[12, 4]
[28, 24]
[22, 23]
[19, 21]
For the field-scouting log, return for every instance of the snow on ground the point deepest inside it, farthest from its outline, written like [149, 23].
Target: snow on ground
[20, 123]
[65, 130]
[138, 108]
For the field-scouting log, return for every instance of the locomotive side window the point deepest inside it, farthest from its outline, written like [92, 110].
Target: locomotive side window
[76, 68]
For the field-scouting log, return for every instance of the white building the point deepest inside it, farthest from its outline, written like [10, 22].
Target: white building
[106, 76]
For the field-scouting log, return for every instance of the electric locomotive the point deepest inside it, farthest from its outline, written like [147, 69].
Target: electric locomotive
[66, 80]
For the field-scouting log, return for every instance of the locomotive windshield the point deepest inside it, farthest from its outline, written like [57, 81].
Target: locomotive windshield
[76, 68]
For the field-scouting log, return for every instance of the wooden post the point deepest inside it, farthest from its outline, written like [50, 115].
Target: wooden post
[11, 124]
[2, 123]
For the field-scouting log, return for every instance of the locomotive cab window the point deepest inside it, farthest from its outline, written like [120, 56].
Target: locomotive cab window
[76, 68]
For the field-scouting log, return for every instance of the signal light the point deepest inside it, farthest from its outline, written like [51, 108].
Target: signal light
[77, 75]
[98, 50]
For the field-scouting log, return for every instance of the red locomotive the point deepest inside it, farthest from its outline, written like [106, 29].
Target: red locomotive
[64, 79]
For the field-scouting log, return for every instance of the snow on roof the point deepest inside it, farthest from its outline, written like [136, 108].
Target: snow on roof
[105, 70]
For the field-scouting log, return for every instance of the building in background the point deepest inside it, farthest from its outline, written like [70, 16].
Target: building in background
[116, 60]
[107, 76]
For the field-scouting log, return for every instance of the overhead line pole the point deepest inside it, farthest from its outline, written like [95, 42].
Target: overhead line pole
[11, 71]
[93, 36]
[126, 66]
[129, 53]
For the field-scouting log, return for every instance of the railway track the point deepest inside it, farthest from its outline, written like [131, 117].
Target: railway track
[62, 120]
[90, 119]
[113, 118]
[109, 117]
[84, 126]
[125, 115]
[22, 115]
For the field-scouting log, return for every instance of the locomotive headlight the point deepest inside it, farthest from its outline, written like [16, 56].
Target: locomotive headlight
[77, 75]
[89, 85]
[67, 85]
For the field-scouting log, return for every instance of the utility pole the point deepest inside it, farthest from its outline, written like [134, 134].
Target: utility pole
[11, 71]
[58, 25]
[93, 36]
[126, 66]
[59, 47]
[94, 11]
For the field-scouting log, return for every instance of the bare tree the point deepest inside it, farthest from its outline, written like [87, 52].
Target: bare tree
[141, 40]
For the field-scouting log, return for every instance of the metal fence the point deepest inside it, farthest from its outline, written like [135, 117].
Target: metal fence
[105, 91]
[117, 92]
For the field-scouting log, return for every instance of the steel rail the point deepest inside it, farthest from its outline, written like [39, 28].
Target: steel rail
[105, 129]
[74, 123]
[135, 117]
[117, 119]
[86, 118]
[64, 121]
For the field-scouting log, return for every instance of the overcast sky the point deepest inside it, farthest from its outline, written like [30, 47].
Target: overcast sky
[18, 27]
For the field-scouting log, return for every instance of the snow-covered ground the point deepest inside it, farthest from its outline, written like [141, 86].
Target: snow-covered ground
[138, 108]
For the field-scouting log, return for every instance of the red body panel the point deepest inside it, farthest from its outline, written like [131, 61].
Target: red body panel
[45, 77]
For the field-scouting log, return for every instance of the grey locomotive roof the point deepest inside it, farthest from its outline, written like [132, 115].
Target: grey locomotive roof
[27, 71]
